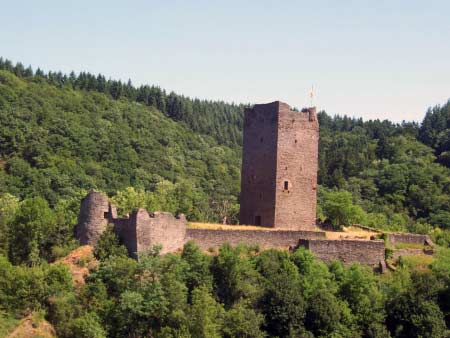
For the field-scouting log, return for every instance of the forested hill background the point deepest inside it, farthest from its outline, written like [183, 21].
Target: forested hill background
[61, 135]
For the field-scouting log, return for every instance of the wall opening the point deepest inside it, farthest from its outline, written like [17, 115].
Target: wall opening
[106, 215]
[286, 185]
[257, 220]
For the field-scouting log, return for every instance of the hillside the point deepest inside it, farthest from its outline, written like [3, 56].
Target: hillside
[222, 121]
[55, 142]
[61, 134]
[32, 327]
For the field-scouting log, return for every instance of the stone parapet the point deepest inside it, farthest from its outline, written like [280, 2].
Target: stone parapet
[348, 251]
[409, 239]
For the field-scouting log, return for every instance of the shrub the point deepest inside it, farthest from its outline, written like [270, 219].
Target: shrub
[109, 245]
[339, 209]
[389, 253]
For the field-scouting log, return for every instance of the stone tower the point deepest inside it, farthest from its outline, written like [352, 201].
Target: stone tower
[95, 214]
[279, 167]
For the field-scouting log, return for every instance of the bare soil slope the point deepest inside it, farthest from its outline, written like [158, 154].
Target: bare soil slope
[31, 327]
[79, 262]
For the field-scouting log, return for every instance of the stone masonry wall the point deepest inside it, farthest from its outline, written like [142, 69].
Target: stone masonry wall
[160, 228]
[409, 238]
[347, 251]
[142, 230]
[138, 232]
[207, 238]
[297, 164]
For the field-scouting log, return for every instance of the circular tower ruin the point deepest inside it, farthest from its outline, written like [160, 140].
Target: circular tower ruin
[95, 213]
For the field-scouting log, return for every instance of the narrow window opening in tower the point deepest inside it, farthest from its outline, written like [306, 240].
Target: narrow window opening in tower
[295, 141]
[106, 214]
[257, 220]
[286, 185]
[260, 196]
[262, 139]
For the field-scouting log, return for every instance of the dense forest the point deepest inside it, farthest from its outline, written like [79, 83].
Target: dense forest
[239, 293]
[61, 135]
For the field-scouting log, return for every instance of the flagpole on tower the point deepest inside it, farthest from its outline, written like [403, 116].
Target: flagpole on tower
[311, 96]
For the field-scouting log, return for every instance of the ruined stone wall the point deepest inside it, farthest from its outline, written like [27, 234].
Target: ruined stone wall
[297, 165]
[125, 229]
[207, 238]
[409, 238]
[93, 218]
[160, 228]
[138, 232]
[142, 230]
[347, 251]
[258, 174]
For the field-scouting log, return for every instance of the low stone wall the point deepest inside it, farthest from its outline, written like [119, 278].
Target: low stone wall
[409, 238]
[208, 238]
[347, 251]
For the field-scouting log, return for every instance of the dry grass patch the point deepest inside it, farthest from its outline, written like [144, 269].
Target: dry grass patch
[79, 262]
[350, 232]
[217, 226]
[409, 246]
[418, 262]
[33, 326]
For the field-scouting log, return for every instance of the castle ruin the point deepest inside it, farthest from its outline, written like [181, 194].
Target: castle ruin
[138, 232]
[278, 192]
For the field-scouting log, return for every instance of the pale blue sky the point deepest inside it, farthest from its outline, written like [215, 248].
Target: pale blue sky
[374, 59]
